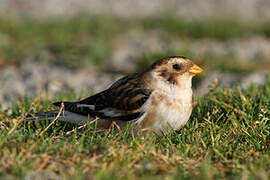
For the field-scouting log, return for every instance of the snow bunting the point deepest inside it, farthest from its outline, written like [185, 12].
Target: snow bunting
[156, 99]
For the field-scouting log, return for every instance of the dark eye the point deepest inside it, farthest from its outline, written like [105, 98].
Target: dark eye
[177, 67]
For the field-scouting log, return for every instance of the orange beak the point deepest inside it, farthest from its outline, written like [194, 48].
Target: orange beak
[195, 69]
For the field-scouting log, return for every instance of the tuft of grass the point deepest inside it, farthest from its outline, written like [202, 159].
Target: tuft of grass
[227, 137]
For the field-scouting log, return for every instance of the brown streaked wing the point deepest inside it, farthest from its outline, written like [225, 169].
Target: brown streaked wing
[124, 95]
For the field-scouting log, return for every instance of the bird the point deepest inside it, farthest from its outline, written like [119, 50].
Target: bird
[156, 99]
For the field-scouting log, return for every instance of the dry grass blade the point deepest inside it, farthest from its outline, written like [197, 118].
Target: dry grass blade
[3, 126]
[82, 126]
[58, 115]
[15, 126]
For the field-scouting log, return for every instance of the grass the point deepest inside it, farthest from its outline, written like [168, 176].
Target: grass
[73, 41]
[227, 137]
[87, 40]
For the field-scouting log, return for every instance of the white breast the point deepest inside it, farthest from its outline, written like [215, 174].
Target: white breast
[169, 105]
[177, 114]
[164, 111]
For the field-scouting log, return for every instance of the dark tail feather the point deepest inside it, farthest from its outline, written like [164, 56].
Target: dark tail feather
[65, 116]
[50, 115]
[68, 106]
[58, 104]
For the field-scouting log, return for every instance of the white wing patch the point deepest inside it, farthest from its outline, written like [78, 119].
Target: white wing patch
[74, 118]
[109, 112]
[92, 107]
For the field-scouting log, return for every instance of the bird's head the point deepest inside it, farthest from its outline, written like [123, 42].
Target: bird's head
[176, 71]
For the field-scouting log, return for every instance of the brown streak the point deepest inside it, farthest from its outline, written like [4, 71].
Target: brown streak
[164, 61]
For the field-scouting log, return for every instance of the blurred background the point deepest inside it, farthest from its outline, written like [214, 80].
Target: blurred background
[53, 46]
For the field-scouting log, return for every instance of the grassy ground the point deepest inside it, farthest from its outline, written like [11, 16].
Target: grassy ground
[228, 136]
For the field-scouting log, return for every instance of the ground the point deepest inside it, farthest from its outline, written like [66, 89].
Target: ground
[227, 137]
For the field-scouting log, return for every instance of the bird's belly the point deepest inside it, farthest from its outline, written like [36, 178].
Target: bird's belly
[172, 117]
[168, 113]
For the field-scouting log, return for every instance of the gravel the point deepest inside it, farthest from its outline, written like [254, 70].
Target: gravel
[243, 9]
[221, 79]
[34, 79]
[45, 79]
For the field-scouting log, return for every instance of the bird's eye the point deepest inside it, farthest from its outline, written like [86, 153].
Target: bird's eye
[176, 67]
